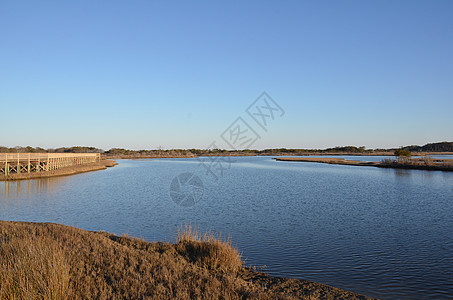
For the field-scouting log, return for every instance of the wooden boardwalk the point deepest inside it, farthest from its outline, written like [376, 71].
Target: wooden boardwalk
[17, 163]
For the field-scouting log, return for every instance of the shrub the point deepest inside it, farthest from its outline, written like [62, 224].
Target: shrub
[387, 161]
[428, 160]
[402, 154]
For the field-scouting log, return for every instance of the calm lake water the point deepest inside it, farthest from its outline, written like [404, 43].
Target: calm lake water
[380, 232]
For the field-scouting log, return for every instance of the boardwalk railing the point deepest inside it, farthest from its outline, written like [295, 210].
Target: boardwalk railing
[16, 163]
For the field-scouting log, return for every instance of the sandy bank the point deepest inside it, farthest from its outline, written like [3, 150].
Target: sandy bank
[102, 165]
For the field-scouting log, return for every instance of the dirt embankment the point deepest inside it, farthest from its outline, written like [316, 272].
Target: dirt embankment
[102, 165]
[51, 261]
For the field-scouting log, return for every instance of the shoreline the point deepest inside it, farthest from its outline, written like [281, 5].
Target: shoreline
[66, 171]
[127, 267]
[387, 153]
[409, 165]
[108, 161]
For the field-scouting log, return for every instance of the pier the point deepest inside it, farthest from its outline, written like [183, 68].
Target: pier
[17, 163]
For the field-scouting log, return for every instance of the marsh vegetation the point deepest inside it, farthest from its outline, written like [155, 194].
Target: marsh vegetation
[50, 261]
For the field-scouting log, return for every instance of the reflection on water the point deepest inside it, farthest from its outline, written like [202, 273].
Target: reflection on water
[401, 172]
[19, 189]
[381, 232]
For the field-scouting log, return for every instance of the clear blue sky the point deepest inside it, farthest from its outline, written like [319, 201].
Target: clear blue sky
[176, 74]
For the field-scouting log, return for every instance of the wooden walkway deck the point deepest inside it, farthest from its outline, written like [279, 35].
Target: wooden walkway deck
[16, 163]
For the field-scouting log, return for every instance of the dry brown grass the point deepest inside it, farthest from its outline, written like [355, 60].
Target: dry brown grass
[51, 261]
[105, 266]
[208, 251]
[327, 160]
[36, 269]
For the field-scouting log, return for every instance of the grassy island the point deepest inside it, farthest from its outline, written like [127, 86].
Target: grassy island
[414, 163]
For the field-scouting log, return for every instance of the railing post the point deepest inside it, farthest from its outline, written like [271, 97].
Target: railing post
[18, 164]
[28, 162]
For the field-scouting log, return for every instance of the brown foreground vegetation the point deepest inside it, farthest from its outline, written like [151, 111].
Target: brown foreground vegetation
[414, 163]
[102, 165]
[51, 261]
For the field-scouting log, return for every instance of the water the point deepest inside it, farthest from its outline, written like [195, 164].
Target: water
[380, 232]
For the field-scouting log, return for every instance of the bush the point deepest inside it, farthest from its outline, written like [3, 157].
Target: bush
[387, 161]
[402, 154]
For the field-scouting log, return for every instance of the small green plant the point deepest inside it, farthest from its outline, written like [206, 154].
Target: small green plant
[402, 154]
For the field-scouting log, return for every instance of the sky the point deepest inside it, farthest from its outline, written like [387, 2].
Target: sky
[179, 74]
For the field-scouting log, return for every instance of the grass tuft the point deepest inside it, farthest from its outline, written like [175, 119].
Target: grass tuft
[208, 250]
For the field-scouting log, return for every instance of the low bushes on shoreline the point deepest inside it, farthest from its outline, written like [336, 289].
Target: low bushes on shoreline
[425, 163]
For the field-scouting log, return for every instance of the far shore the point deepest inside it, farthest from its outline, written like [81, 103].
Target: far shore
[374, 153]
[109, 161]
[414, 164]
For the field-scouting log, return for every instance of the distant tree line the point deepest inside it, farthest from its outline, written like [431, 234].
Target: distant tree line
[29, 149]
[433, 147]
